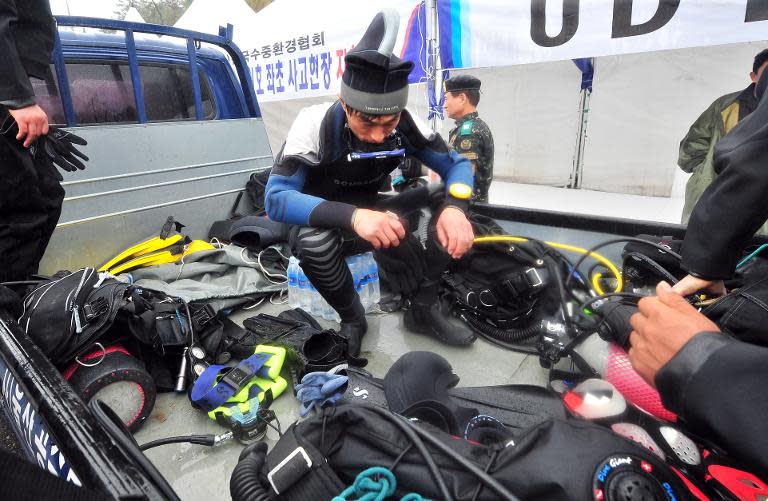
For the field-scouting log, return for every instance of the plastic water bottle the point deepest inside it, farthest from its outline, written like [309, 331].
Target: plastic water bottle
[355, 266]
[305, 294]
[374, 288]
[294, 299]
[329, 313]
[316, 302]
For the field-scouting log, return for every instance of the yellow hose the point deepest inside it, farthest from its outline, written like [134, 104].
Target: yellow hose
[596, 283]
[572, 248]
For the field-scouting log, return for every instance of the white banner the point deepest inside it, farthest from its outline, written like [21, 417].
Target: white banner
[298, 48]
[501, 32]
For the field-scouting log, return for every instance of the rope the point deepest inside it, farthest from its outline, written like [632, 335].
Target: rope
[374, 484]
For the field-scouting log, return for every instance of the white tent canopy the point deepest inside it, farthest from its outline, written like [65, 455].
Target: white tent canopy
[133, 15]
[207, 15]
[651, 80]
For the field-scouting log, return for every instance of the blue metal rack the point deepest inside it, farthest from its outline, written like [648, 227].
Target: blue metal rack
[193, 38]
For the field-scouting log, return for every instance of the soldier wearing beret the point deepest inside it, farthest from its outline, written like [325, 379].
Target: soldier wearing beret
[471, 137]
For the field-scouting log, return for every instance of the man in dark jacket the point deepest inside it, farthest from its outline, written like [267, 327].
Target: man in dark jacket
[30, 194]
[698, 146]
[714, 383]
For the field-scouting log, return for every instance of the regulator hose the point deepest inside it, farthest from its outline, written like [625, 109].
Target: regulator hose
[245, 484]
[506, 335]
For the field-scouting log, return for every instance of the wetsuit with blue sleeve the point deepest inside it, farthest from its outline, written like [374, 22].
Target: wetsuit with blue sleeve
[314, 183]
[316, 186]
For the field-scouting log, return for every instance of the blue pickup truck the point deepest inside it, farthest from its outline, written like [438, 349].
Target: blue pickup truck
[174, 128]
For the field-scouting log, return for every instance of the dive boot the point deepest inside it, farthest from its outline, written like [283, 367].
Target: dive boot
[353, 327]
[435, 319]
[429, 314]
[354, 331]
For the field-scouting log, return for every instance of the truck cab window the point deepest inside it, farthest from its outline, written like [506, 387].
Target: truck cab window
[102, 92]
[168, 93]
[47, 96]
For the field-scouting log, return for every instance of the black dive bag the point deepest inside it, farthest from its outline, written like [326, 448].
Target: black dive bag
[557, 459]
[498, 283]
[65, 316]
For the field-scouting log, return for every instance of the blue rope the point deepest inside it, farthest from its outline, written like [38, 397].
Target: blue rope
[755, 253]
[366, 488]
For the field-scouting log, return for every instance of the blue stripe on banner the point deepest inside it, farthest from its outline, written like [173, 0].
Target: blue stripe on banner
[456, 33]
[466, 38]
[446, 32]
[414, 47]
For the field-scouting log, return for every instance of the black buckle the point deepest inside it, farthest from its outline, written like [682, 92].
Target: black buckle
[236, 378]
[534, 278]
[95, 308]
[202, 316]
[294, 466]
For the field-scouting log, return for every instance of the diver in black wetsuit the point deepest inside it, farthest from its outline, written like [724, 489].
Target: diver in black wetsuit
[326, 178]
[714, 383]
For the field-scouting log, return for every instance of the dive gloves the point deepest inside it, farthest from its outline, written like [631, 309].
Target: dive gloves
[58, 148]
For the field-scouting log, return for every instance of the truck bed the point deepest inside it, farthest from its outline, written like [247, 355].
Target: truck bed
[199, 473]
[202, 473]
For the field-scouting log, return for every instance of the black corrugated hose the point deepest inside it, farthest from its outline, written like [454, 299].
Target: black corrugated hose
[515, 336]
[245, 484]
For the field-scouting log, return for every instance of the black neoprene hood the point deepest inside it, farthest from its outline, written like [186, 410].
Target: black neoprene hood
[375, 81]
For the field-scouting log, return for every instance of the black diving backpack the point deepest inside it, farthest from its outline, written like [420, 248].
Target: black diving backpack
[65, 316]
[563, 459]
[497, 283]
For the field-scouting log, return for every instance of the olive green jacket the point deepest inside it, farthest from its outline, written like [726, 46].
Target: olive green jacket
[698, 147]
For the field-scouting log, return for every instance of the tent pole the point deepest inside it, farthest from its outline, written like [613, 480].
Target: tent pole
[577, 172]
[435, 75]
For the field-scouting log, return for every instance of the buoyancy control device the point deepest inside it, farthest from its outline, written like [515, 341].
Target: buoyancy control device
[557, 459]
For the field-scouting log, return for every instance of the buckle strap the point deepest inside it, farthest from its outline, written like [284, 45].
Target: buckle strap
[208, 393]
[526, 282]
[300, 471]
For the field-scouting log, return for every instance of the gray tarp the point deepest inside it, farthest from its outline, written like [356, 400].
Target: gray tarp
[227, 273]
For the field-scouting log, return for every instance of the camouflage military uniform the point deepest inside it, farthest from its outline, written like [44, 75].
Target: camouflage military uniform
[472, 139]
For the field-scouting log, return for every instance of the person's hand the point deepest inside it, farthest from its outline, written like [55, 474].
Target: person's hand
[379, 228]
[32, 122]
[690, 285]
[661, 328]
[454, 232]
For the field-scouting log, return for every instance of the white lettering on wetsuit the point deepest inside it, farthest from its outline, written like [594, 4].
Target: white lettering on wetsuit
[614, 462]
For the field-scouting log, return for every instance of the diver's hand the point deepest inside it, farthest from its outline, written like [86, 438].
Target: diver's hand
[454, 232]
[661, 328]
[378, 228]
[32, 122]
[690, 285]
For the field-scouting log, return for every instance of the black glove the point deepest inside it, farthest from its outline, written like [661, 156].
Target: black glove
[57, 149]
[404, 265]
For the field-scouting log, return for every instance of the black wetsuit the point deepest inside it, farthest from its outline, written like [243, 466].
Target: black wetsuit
[30, 195]
[717, 385]
[315, 187]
